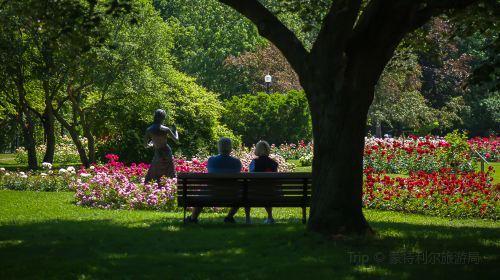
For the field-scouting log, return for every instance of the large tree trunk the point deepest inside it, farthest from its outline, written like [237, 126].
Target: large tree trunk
[26, 122]
[91, 147]
[75, 136]
[339, 122]
[378, 129]
[49, 130]
[90, 138]
[28, 129]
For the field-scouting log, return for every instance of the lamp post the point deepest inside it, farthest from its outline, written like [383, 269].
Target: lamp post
[268, 79]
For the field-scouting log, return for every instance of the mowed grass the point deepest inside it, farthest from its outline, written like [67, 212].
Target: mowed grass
[44, 235]
[7, 157]
[496, 175]
[8, 161]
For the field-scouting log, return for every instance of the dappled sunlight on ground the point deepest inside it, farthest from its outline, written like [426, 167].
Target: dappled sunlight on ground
[70, 241]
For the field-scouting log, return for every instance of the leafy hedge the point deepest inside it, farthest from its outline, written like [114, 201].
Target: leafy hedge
[276, 117]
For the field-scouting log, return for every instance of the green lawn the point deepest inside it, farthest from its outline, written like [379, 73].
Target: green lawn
[8, 161]
[496, 175]
[43, 235]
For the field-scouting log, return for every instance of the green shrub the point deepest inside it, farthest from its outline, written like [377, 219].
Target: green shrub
[31, 182]
[457, 155]
[276, 118]
[306, 160]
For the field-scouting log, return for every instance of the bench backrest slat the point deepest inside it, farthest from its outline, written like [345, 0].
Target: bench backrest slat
[244, 189]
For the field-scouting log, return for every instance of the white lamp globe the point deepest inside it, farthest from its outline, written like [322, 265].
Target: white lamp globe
[268, 78]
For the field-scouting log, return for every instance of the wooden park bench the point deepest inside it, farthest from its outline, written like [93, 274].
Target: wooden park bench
[244, 190]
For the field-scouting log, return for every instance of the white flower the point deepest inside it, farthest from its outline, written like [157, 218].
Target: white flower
[92, 167]
[24, 176]
[62, 171]
[22, 173]
[85, 175]
[43, 174]
[2, 169]
[71, 169]
[51, 172]
[47, 165]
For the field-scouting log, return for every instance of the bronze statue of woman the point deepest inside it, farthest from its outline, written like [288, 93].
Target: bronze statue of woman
[157, 133]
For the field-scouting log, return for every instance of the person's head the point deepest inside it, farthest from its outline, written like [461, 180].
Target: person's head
[225, 146]
[262, 148]
[160, 116]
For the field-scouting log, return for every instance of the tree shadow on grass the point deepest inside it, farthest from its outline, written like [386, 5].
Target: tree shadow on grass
[212, 250]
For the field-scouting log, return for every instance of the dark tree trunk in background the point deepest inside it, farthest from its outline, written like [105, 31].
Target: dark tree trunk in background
[25, 120]
[88, 134]
[378, 129]
[75, 136]
[28, 129]
[48, 122]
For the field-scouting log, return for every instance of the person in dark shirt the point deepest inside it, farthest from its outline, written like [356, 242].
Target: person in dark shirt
[264, 164]
[222, 163]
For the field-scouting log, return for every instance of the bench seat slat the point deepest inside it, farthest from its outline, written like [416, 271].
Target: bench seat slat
[228, 203]
[213, 201]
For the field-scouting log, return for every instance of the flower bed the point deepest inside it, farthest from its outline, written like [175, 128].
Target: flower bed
[489, 148]
[408, 154]
[292, 150]
[443, 193]
[441, 179]
[117, 186]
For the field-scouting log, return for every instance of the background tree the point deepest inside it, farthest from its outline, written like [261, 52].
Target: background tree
[16, 69]
[207, 33]
[445, 70]
[398, 102]
[99, 72]
[251, 67]
[50, 37]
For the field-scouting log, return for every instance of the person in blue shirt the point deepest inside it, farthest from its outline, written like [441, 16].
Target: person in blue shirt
[222, 163]
[264, 164]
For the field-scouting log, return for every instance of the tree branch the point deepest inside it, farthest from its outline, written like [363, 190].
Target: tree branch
[40, 116]
[448, 4]
[273, 30]
[60, 103]
[431, 8]
[337, 25]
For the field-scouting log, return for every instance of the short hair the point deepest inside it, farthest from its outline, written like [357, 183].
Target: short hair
[262, 148]
[225, 146]
[160, 116]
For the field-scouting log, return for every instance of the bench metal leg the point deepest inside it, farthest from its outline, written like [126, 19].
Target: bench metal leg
[184, 215]
[304, 217]
[247, 215]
